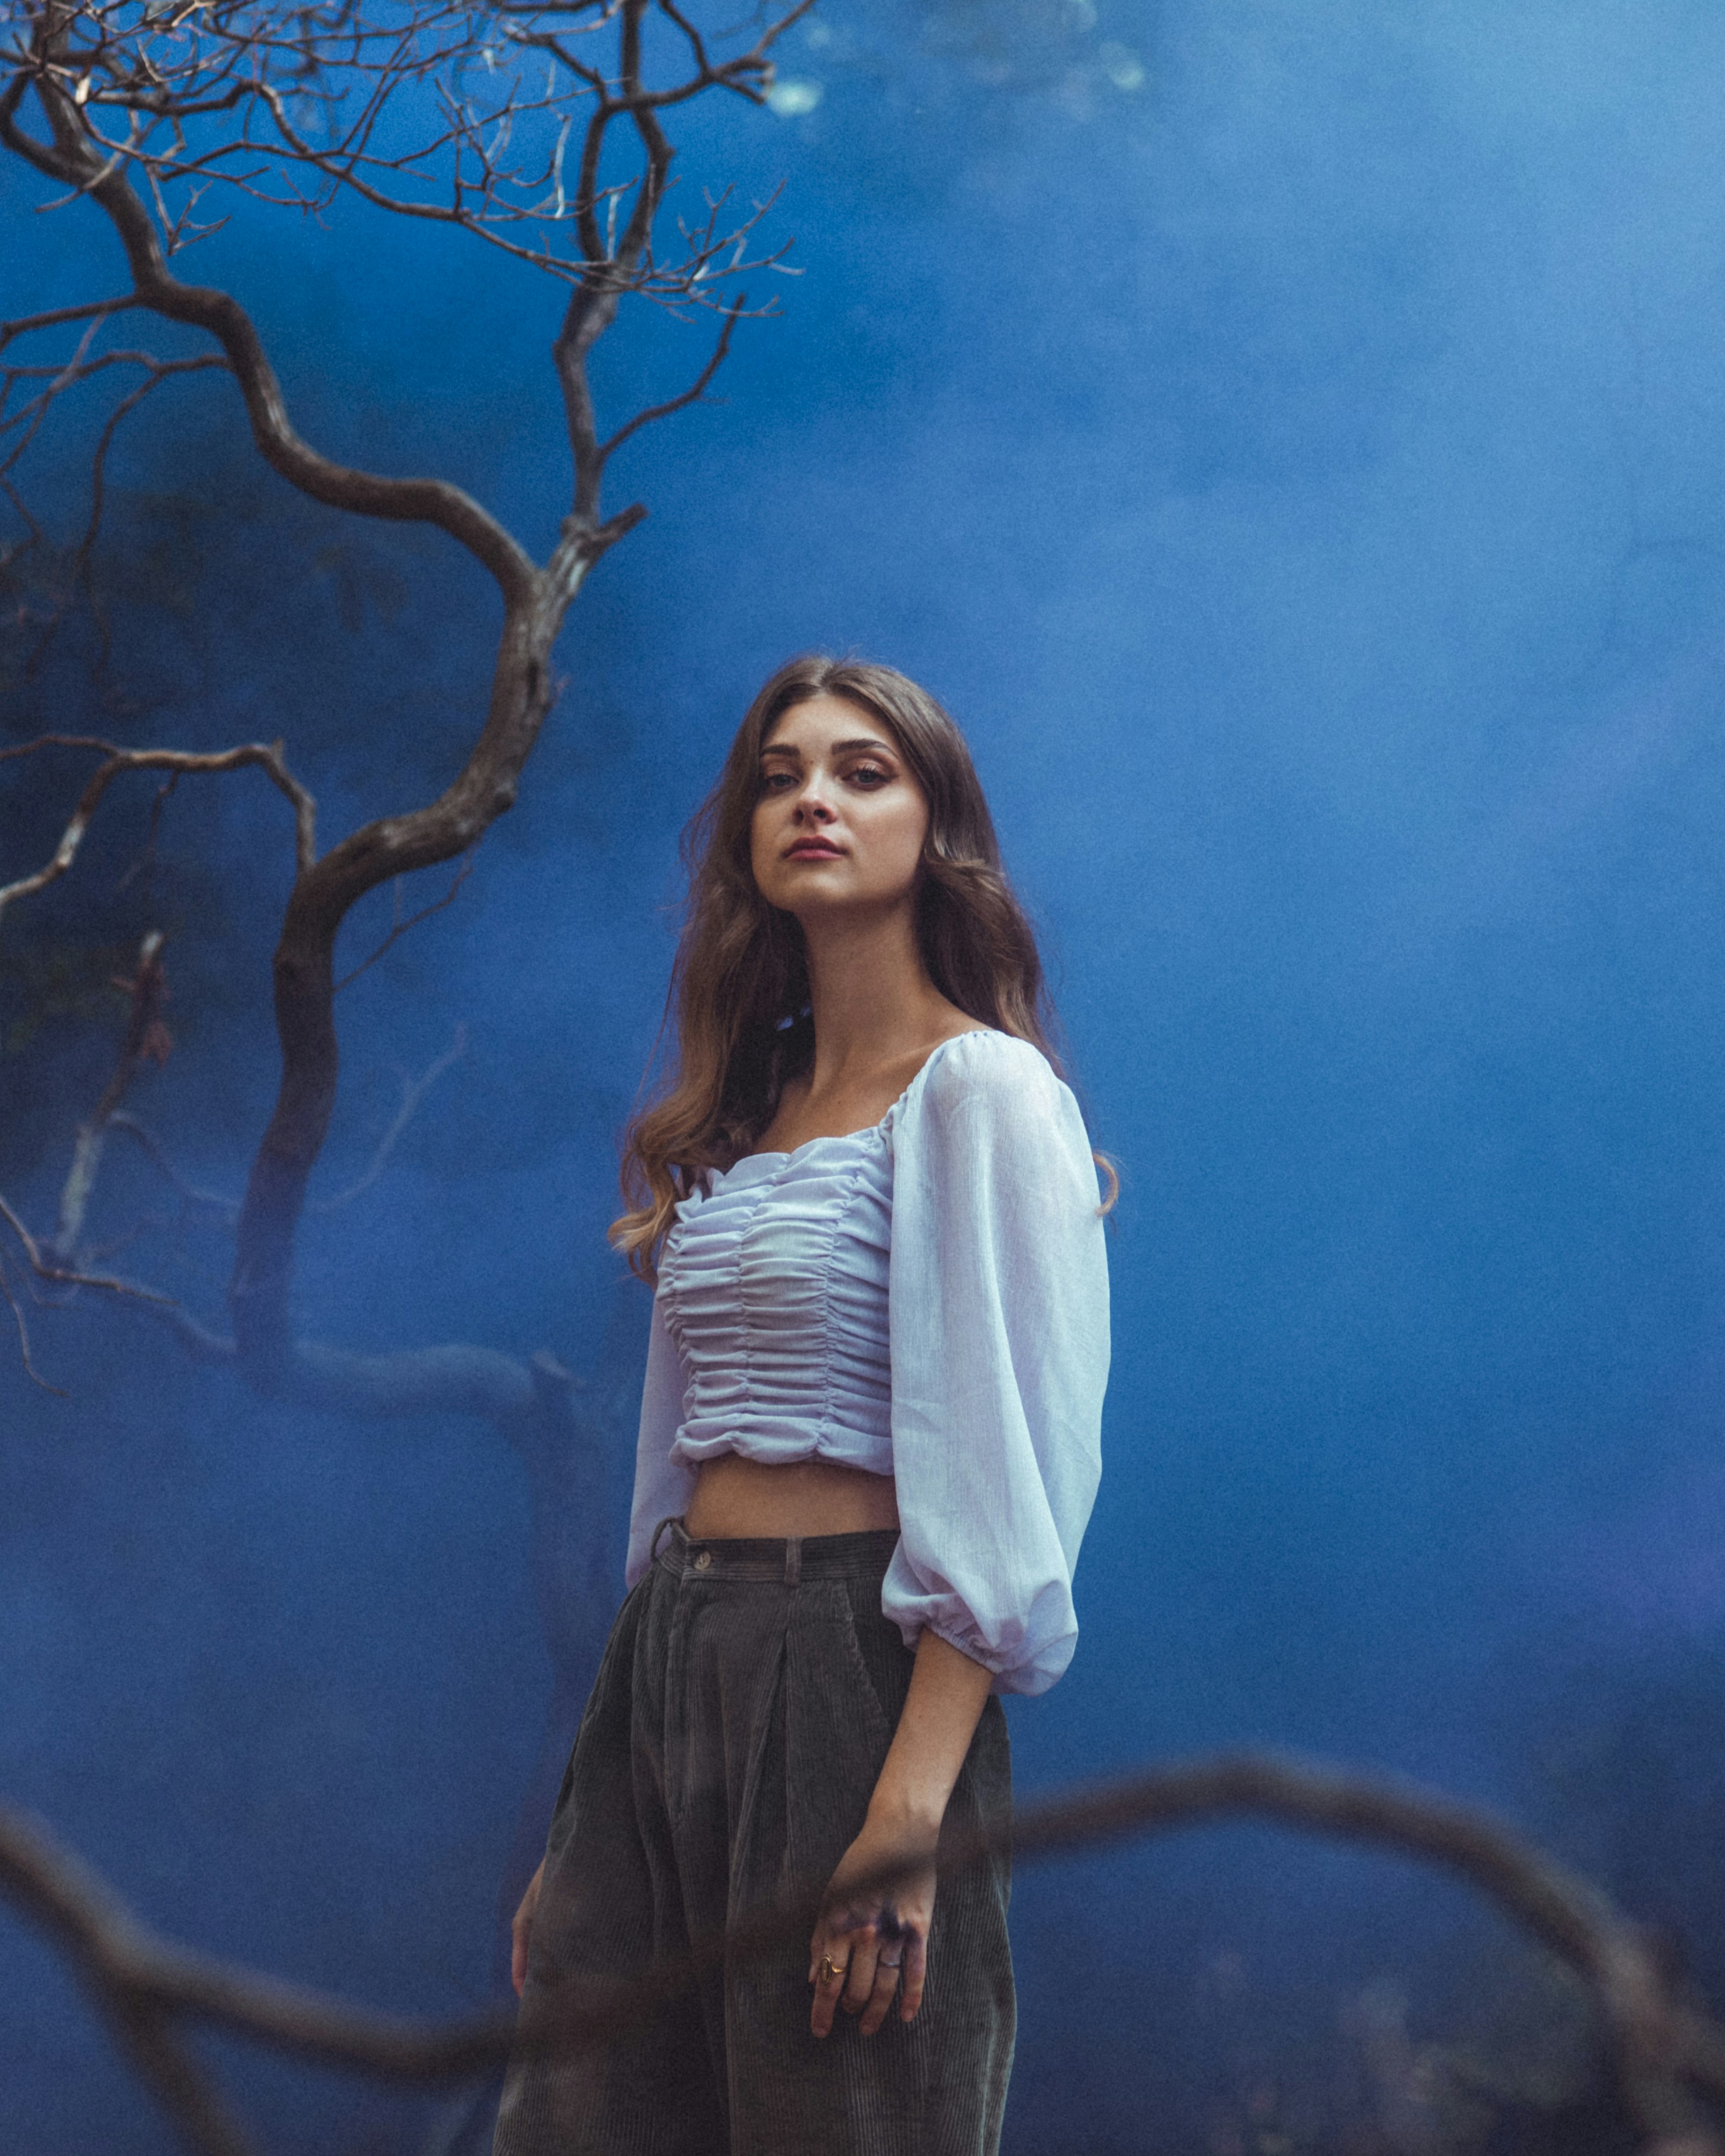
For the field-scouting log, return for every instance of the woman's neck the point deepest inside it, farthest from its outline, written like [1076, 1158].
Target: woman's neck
[870, 995]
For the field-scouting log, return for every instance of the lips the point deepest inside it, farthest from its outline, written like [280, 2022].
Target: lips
[813, 850]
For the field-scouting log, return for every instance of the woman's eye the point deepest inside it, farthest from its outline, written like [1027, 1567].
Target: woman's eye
[870, 774]
[774, 782]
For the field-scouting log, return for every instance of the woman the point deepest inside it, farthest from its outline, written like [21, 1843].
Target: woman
[868, 1451]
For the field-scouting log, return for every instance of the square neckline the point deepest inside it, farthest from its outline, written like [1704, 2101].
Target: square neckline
[867, 1130]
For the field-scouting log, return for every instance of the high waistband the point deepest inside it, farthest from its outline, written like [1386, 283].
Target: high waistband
[785, 1559]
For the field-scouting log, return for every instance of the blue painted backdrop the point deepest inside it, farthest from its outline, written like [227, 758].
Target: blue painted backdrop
[1290, 436]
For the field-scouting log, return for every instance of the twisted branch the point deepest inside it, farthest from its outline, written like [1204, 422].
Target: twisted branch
[1663, 2052]
[306, 90]
[267, 756]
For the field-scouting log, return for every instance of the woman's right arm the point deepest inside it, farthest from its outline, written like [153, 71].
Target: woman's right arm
[663, 1486]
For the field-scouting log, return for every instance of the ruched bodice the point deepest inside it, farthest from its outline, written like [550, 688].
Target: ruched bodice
[926, 1299]
[774, 1291]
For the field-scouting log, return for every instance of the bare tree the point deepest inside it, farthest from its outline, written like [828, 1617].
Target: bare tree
[536, 130]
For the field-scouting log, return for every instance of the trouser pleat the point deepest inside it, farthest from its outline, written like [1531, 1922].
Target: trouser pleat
[738, 1724]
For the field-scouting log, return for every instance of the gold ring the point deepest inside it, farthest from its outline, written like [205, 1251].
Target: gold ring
[830, 1972]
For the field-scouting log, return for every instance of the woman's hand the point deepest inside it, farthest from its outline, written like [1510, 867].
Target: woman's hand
[869, 1944]
[521, 1930]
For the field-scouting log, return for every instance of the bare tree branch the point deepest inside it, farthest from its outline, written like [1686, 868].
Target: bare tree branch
[690, 396]
[225, 1209]
[267, 59]
[30, 417]
[19, 1320]
[67, 374]
[267, 756]
[158, 372]
[71, 157]
[1664, 2053]
[57, 317]
[146, 1040]
[399, 927]
[44, 1268]
[413, 1092]
[141, 109]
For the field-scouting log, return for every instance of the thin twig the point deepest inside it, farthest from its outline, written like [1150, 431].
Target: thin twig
[57, 317]
[141, 1135]
[16, 1309]
[413, 1092]
[31, 416]
[690, 396]
[111, 1246]
[401, 927]
[85, 551]
[145, 865]
[268, 756]
[44, 1268]
[146, 1039]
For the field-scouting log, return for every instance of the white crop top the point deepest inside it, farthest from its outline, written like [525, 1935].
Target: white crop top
[926, 1299]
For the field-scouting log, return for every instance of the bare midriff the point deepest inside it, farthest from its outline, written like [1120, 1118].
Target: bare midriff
[735, 1497]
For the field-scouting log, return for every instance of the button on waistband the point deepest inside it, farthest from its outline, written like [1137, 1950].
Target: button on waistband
[703, 1559]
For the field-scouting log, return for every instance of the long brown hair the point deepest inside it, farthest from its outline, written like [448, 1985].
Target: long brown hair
[739, 989]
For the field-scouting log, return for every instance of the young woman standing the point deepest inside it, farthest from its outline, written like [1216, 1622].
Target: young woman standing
[868, 1452]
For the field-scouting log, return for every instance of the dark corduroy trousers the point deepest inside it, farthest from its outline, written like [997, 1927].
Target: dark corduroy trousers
[741, 1716]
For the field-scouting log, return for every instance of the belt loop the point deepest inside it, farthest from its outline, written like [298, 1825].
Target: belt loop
[792, 1560]
[670, 1520]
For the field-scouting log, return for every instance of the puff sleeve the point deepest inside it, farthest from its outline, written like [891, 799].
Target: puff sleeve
[997, 1311]
[663, 1486]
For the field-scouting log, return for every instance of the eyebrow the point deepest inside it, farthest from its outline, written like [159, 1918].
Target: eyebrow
[864, 741]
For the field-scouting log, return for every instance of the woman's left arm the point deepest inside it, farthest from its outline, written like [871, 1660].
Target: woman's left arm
[998, 1312]
[877, 1939]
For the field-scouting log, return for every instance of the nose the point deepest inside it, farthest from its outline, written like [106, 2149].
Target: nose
[811, 806]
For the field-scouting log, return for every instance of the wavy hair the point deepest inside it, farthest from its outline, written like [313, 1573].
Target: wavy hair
[739, 989]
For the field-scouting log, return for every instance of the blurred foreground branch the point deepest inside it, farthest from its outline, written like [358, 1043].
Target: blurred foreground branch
[1663, 2052]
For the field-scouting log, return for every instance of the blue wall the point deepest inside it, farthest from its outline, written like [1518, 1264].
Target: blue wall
[1291, 439]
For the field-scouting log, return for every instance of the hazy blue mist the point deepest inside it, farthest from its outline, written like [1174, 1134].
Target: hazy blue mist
[1290, 437]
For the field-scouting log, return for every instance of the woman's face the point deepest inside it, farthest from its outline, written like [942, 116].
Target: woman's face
[840, 819]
